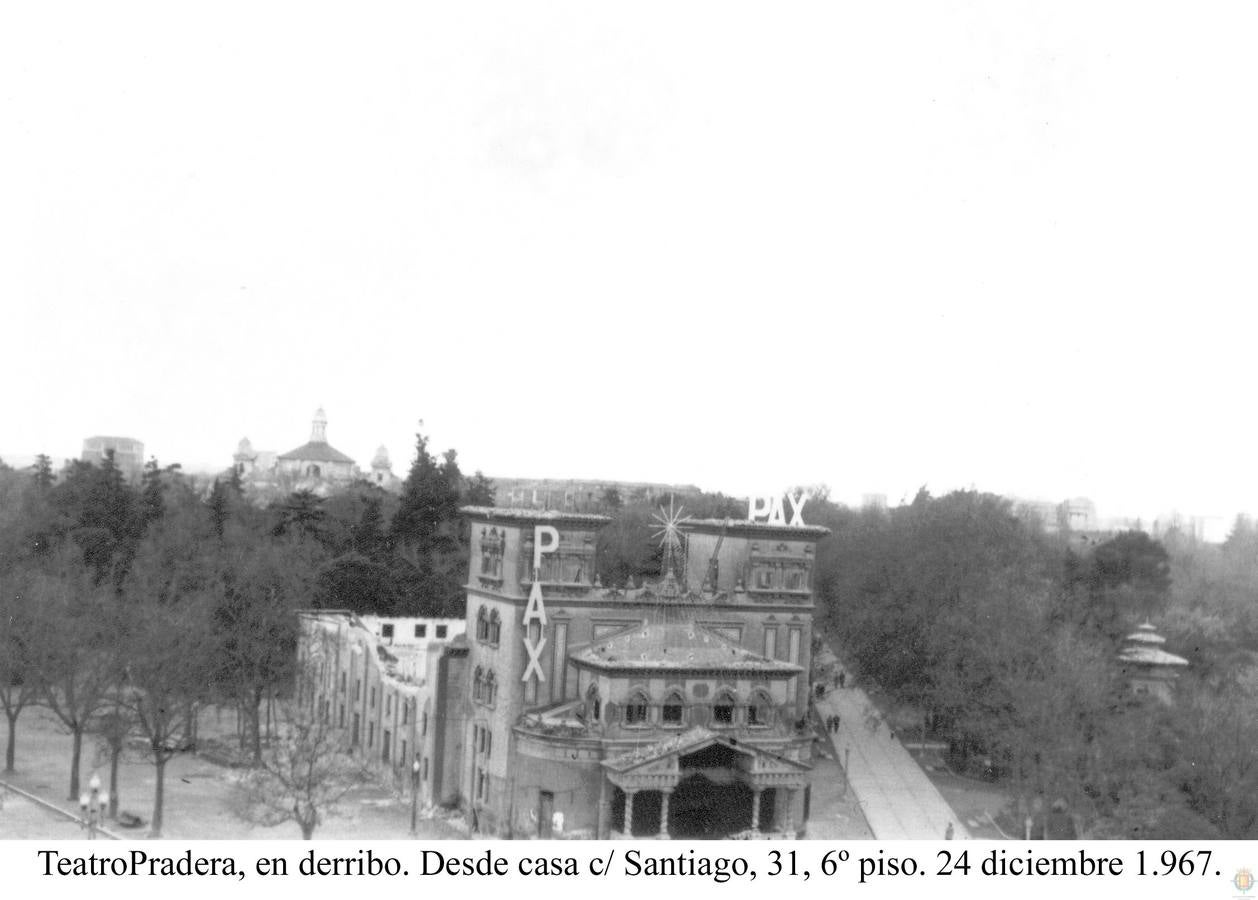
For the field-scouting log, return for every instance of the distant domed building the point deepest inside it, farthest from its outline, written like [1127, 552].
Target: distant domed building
[382, 470]
[315, 466]
[1150, 670]
[317, 458]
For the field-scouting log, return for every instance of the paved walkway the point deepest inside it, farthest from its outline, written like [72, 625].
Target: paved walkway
[834, 813]
[898, 800]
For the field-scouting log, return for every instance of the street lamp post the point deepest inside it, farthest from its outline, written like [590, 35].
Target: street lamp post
[415, 798]
[93, 806]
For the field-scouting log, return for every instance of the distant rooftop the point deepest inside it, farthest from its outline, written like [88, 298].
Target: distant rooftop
[1146, 634]
[1150, 656]
[1143, 648]
[317, 451]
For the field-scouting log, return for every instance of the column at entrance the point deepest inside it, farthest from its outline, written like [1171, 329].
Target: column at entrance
[664, 813]
[788, 809]
[755, 807]
[629, 813]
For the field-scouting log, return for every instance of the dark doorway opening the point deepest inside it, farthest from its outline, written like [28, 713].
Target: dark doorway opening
[703, 808]
[545, 813]
[647, 806]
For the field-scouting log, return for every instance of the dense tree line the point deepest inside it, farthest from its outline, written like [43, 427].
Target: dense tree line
[125, 608]
[1005, 639]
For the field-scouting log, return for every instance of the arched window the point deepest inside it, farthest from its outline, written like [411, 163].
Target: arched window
[594, 703]
[759, 710]
[482, 625]
[723, 708]
[491, 547]
[673, 712]
[478, 684]
[495, 627]
[635, 709]
[491, 688]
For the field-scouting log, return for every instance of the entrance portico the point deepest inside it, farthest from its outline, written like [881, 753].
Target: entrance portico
[701, 784]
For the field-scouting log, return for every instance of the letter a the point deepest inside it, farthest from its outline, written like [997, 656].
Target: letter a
[777, 516]
[536, 609]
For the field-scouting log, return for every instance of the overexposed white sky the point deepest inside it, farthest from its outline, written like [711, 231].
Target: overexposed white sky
[877, 245]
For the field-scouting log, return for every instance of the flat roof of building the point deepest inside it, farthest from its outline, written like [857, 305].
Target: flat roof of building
[747, 527]
[549, 516]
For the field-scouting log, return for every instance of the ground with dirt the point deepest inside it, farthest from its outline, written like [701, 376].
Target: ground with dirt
[199, 794]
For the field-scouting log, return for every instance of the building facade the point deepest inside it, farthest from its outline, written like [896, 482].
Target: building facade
[389, 683]
[128, 453]
[677, 707]
[315, 466]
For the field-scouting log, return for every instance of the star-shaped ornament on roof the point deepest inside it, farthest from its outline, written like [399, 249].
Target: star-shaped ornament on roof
[672, 538]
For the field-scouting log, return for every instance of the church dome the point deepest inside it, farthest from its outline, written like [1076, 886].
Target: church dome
[244, 448]
[381, 459]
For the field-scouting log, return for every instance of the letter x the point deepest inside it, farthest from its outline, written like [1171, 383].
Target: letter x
[535, 660]
[797, 507]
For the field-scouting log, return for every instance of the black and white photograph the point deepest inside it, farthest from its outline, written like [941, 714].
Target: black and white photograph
[598, 422]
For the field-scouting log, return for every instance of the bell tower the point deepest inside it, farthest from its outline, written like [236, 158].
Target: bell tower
[319, 427]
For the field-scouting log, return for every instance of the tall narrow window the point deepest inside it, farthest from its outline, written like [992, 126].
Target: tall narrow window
[723, 709]
[559, 662]
[673, 712]
[635, 709]
[796, 639]
[759, 710]
[594, 704]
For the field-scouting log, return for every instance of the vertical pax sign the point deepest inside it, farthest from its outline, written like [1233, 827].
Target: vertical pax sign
[545, 540]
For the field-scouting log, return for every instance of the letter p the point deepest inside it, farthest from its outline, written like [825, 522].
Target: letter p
[540, 546]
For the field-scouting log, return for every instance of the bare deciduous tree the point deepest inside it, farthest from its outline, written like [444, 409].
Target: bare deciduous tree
[305, 772]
